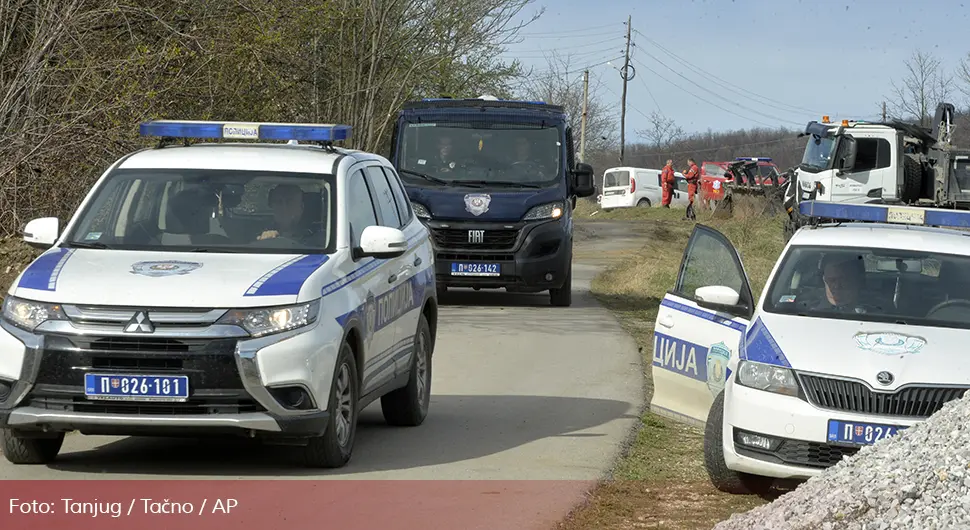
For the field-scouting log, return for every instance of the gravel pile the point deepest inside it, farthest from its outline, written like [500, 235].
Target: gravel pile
[918, 479]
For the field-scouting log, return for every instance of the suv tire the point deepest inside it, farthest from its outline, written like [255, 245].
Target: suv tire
[408, 405]
[334, 448]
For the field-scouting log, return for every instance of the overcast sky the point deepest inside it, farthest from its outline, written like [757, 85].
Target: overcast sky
[786, 61]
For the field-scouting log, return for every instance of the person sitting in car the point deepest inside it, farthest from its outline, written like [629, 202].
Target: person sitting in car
[286, 200]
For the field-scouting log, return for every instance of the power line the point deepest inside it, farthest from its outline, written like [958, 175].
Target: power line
[572, 32]
[574, 46]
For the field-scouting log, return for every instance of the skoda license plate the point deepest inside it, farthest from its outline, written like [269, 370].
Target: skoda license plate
[860, 433]
[476, 269]
[136, 387]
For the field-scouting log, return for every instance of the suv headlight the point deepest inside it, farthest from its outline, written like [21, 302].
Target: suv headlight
[769, 378]
[264, 321]
[552, 210]
[420, 210]
[28, 314]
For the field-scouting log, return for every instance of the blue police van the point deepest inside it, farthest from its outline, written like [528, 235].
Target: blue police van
[496, 183]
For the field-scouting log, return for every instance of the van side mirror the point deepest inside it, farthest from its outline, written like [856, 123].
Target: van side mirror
[41, 233]
[850, 148]
[583, 180]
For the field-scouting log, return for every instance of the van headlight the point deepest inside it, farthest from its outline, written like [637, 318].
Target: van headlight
[552, 210]
[28, 314]
[767, 377]
[264, 321]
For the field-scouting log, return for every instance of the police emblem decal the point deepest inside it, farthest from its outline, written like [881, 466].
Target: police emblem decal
[370, 314]
[157, 269]
[717, 360]
[889, 343]
[477, 203]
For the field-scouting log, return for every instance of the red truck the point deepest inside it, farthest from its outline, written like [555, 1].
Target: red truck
[715, 174]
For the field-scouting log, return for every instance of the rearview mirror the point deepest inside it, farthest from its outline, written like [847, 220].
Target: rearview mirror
[849, 151]
[41, 233]
[720, 298]
[583, 180]
[382, 242]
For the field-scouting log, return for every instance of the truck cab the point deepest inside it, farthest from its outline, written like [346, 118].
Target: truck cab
[495, 181]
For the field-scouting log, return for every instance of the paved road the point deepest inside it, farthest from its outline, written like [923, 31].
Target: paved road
[521, 390]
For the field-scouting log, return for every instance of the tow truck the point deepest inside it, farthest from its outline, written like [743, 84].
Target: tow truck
[496, 182]
[891, 163]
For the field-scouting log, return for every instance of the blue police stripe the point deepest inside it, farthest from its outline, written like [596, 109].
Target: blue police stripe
[288, 278]
[880, 213]
[701, 313]
[42, 274]
[760, 346]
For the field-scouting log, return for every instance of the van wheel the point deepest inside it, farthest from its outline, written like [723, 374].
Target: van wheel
[21, 450]
[563, 296]
[408, 406]
[644, 203]
[722, 478]
[335, 447]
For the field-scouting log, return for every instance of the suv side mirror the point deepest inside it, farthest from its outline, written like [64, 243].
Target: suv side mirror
[849, 151]
[583, 180]
[382, 242]
[41, 233]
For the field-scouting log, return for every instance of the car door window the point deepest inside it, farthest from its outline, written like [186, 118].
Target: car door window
[400, 196]
[383, 197]
[360, 206]
[710, 259]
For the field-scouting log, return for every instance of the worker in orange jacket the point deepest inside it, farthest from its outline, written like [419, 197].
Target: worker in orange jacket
[667, 178]
[693, 176]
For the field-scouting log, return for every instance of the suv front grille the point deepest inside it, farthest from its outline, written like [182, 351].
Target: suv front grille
[499, 239]
[854, 396]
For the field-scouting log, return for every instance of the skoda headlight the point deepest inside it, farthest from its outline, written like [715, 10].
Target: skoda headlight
[420, 210]
[268, 320]
[767, 377]
[552, 210]
[28, 314]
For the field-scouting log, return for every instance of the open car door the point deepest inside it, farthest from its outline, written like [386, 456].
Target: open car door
[699, 327]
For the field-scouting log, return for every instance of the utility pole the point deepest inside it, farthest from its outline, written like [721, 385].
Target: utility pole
[884, 111]
[626, 77]
[582, 127]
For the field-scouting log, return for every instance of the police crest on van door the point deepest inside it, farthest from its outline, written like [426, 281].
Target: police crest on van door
[717, 360]
[477, 203]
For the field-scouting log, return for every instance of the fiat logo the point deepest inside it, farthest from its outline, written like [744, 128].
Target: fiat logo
[884, 378]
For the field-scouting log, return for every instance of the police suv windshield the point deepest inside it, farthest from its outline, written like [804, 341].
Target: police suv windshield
[492, 153]
[209, 210]
[874, 285]
[819, 154]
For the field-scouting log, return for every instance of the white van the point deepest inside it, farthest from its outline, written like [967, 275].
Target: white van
[626, 187]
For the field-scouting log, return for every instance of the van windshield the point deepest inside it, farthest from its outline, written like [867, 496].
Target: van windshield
[616, 179]
[873, 285]
[199, 210]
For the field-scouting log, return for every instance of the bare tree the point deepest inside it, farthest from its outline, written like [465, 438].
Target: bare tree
[562, 84]
[662, 131]
[924, 86]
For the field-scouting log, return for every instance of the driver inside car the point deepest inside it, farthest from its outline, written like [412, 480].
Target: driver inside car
[286, 200]
[844, 279]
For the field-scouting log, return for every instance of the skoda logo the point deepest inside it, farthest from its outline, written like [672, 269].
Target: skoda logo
[884, 378]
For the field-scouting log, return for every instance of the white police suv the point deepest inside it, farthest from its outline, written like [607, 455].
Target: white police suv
[858, 334]
[267, 289]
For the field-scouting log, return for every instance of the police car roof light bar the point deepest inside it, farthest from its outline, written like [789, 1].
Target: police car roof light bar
[882, 213]
[754, 158]
[230, 130]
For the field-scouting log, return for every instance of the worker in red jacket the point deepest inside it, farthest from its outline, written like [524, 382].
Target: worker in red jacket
[693, 176]
[667, 177]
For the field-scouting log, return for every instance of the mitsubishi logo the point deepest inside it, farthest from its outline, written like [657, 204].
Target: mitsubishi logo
[476, 236]
[140, 324]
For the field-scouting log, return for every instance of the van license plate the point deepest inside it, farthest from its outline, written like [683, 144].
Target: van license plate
[136, 387]
[860, 433]
[476, 269]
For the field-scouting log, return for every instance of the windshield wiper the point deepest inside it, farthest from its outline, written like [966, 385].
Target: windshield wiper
[505, 183]
[86, 244]
[424, 176]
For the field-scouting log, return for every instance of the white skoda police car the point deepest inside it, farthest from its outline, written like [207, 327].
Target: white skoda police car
[858, 334]
[267, 289]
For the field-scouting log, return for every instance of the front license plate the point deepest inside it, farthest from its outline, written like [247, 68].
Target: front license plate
[860, 433]
[476, 269]
[136, 387]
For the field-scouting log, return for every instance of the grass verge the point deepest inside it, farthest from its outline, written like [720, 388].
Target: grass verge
[661, 482]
